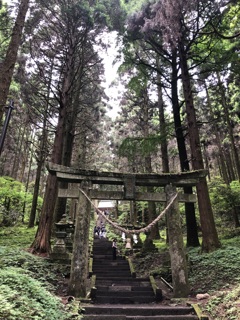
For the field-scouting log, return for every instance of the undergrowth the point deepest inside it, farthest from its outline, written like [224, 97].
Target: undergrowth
[28, 283]
[212, 271]
[215, 273]
[23, 297]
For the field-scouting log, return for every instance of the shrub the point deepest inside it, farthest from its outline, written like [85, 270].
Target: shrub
[13, 198]
[22, 297]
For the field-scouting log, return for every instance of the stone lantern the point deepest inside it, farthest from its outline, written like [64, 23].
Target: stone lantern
[69, 235]
[59, 251]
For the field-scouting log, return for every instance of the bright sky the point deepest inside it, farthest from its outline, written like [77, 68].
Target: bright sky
[111, 74]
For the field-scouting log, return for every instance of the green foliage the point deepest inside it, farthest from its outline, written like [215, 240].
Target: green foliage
[123, 218]
[23, 297]
[18, 236]
[5, 29]
[27, 282]
[13, 197]
[225, 304]
[224, 197]
[130, 147]
[235, 189]
[222, 268]
[132, 6]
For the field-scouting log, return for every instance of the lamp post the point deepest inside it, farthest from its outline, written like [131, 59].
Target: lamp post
[6, 122]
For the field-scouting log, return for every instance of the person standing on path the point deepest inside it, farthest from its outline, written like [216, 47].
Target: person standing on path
[114, 249]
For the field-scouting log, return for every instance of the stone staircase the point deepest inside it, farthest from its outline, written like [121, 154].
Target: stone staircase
[117, 293]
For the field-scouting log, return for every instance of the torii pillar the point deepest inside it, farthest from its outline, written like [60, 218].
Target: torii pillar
[178, 259]
[79, 265]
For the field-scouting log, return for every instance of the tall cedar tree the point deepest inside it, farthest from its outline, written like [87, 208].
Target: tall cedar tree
[77, 25]
[74, 32]
[8, 63]
[167, 69]
[174, 19]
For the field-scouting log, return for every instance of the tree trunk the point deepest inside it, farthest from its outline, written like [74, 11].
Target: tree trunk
[229, 126]
[162, 124]
[235, 217]
[181, 287]
[68, 139]
[42, 157]
[43, 236]
[205, 157]
[27, 182]
[230, 164]
[40, 163]
[154, 232]
[7, 65]
[25, 153]
[17, 156]
[79, 266]
[210, 239]
[42, 239]
[32, 217]
[191, 223]
[218, 140]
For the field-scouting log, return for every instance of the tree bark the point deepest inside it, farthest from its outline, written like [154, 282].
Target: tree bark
[42, 239]
[229, 127]
[154, 232]
[17, 156]
[43, 236]
[230, 164]
[218, 140]
[210, 239]
[191, 223]
[42, 157]
[35, 196]
[162, 124]
[68, 140]
[7, 65]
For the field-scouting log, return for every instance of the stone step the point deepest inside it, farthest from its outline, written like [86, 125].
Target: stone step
[101, 250]
[110, 271]
[121, 297]
[102, 262]
[113, 275]
[131, 279]
[127, 299]
[141, 312]
[102, 246]
[127, 288]
[104, 256]
[140, 282]
[123, 317]
[101, 293]
[109, 262]
[110, 267]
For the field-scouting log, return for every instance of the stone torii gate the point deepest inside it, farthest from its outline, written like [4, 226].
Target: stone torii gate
[87, 180]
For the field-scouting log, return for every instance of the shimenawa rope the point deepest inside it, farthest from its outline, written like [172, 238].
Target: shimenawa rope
[145, 229]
